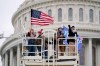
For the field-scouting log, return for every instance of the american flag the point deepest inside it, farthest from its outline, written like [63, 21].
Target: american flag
[40, 18]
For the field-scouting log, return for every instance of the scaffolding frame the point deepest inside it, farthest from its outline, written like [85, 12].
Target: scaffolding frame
[55, 63]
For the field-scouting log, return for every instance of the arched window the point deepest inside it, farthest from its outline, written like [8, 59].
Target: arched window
[49, 12]
[91, 15]
[25, 18]
[80, 14]
[59, 14]
[70, 14]
[99, 16]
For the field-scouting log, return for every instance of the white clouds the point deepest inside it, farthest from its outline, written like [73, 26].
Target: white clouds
[7, 9]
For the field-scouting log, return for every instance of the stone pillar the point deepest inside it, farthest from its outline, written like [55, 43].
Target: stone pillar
[89, 53]
[75, 14]
[3, 61]
[64, 14]
[11, 57]
[6, 59]
[86, 13]
[18, 55]
[98, 55]
[55, 14]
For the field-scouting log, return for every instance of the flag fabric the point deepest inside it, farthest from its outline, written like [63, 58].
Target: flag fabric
[65, 32]
[40, 18]
[79, 41]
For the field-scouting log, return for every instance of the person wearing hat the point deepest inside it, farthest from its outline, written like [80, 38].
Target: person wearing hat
[39, 41]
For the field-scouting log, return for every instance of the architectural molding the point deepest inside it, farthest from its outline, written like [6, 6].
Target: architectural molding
[46, 3]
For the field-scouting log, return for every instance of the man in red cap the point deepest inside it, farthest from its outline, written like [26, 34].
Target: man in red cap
[39, 41]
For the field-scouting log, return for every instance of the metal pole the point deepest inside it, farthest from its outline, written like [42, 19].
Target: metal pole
[48, 47]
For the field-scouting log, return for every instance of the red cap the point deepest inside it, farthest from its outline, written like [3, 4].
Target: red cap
[40, 32]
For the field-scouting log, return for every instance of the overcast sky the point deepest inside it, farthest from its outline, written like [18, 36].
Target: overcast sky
[7, 9]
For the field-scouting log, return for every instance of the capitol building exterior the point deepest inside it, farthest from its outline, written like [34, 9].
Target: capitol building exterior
[83, 14]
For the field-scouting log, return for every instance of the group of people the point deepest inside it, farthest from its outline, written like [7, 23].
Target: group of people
[35, 41]
[71, 41]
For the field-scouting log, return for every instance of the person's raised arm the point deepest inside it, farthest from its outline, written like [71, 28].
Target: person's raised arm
[70, 31]
[69, 26]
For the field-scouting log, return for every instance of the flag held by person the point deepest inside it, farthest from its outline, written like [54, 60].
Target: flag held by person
[65, 32]
[79, 41]
[40, 18]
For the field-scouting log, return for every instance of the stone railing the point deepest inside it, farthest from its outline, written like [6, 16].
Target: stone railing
[11, 39]
[7, 46]
[88, 28]
[79, 25]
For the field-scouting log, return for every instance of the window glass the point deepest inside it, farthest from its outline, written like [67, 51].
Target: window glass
[90, 15]
[59, 14]
[70, 14]
[80, 14]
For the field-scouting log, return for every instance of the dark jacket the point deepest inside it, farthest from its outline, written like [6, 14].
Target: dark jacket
[39, 40]
[59, 36]
[30, 41]
[71, 34]
[29, 35]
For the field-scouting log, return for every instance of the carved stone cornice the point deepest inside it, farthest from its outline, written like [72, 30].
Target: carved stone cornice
[7, 46]
[45, 3]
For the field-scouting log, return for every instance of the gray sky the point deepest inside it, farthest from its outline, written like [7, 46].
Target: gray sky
[7, 9]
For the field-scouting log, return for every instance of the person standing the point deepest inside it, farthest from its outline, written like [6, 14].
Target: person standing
[39, 41]
[61, 37]
[31, 41]
[72, 33]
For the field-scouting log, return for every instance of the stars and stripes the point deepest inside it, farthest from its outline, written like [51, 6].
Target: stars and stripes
[40, 18]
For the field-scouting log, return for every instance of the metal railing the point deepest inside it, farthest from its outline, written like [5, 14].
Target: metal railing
[66, 52]
[28, 44]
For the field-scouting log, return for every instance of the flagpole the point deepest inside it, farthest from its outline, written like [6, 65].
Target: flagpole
[31, 18]
[76, 41]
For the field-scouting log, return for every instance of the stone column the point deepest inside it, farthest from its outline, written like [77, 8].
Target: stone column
[86, 13]
[18, 55]
[89, 53]
[3, 61]
[6, 59]
[75, 14]
[64, 14]
[55, 14]
[98, 55]
[11, 57]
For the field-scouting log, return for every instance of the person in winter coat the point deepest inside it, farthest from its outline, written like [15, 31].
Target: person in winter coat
[31, 41]
[71, 41]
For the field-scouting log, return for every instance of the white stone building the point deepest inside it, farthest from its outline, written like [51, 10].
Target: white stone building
[83, 14]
